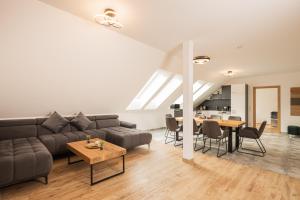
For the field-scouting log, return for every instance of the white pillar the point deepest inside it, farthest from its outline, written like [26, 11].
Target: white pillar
[188, 79]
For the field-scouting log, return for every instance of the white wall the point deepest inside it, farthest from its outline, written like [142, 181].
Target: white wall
[266, 102]
[286, 81]
[52, 60]
[238, 100]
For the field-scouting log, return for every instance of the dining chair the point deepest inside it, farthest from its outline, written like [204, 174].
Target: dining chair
[255, 134]
[217, 117]
[235, 118]
[172, 130]
[197, 131]
[169, 115]
[212, 130]
[166, 131]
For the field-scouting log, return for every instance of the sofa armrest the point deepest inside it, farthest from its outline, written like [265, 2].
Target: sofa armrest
[127, 124]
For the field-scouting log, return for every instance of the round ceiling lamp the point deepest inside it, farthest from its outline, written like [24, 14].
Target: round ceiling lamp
[229, 73]
[201, 60]
[109, 18]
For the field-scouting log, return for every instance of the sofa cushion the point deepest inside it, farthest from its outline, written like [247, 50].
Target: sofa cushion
[55, 122]
[23, 159]
[57, 143]
[81, 121]
[126, 137]
[96, 133]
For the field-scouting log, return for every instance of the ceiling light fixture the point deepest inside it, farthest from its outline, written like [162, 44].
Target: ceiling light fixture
[229, 73]
[201, 60]
[109, 18]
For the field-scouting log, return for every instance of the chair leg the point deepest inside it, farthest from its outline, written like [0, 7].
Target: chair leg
[175, 141]
[166, 132]
[205, 150]
[264, 149]
[219, 155]
[241, 142]
[195, 145]
[168, 137]
[261, 152]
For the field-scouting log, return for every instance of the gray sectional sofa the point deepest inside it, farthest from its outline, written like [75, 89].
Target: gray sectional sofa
[27, 147]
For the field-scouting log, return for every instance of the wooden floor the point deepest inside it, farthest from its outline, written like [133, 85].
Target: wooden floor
[160, 173]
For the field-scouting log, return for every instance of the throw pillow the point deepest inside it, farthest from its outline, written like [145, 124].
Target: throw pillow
[81, 121]
[55, 122]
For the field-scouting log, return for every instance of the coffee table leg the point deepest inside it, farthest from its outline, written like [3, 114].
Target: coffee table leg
[98, 181]
[69, 159]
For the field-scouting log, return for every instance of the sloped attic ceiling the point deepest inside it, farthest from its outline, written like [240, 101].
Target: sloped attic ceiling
[249, 37]
[51, 60]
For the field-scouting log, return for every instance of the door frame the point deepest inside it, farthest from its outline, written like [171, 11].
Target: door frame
[278, 106]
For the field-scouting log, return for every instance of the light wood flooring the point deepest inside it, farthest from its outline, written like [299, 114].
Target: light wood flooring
[160, 173]
[283, 153]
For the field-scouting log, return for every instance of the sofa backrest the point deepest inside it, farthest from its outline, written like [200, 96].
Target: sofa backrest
[23, 128]
[17, 128]
[104, 121]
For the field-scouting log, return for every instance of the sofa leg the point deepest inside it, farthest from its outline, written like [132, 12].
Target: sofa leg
[149, 146]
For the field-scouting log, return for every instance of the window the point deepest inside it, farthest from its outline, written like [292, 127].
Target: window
[202, 90]
[171, 86]
[150, 88]
[196, 86]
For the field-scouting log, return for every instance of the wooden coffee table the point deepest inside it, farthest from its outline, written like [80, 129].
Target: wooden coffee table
[96, 156]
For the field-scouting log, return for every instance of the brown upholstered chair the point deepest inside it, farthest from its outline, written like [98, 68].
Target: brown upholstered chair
[212, 130]
[253, 133]
[197, 131]
[236, 118]
[172, 131]
[217, 117]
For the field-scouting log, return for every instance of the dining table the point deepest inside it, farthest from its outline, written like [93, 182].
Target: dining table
[229, 124]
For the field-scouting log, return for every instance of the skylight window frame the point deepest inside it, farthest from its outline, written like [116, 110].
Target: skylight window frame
[170, 87]
[152, 86]
[196, 86]
[202, 91]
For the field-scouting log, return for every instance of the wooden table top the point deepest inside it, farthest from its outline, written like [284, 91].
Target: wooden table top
[225, 123]
[93, 156]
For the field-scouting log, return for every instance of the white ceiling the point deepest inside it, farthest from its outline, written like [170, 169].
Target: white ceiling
[249, 37]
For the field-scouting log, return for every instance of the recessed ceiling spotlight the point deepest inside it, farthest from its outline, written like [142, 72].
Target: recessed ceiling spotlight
[201, 60]
[109, 18]
[229, 73]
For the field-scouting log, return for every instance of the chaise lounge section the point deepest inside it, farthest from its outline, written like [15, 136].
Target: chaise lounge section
[23, 156]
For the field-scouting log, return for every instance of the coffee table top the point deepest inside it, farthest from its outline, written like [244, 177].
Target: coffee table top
[93, 156]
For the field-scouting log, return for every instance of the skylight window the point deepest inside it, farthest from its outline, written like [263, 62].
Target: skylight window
[196, 86]
[171, 86]
[155, 82]
[202, 90]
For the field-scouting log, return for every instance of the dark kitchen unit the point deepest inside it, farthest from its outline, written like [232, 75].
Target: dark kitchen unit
[218, 101]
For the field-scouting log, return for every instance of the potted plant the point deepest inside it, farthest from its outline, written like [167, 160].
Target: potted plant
[88, 138]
